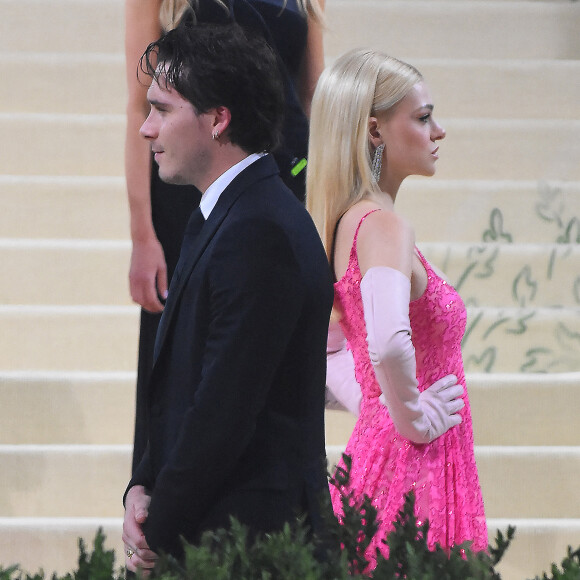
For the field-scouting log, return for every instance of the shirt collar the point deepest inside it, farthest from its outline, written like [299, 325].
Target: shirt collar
[213, 192]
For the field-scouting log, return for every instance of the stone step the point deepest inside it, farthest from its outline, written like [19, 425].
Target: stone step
[36, 90]
[524, 275]
[505, 149]
[63, 207]
[537, 544]
[506, 476]
[545, 406]
[507, 409]
[45, 480]
[525, 409]
[494, 88]
[525, 1]
[461, 88]
[80, 272]
[524, 211]
[485, 274]
[64, 480]
[62, 26]
[104, 338]
[474, 148]
[59, 407]
[63, 144]
[488, 210]
[444, 29]
[536, 340]
[72, 338]
[474, 29]
[52, 543]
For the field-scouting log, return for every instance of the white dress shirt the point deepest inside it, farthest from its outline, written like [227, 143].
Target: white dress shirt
[213, 192]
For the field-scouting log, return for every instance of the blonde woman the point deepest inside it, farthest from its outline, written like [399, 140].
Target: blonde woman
[158, 211]
[372, 126]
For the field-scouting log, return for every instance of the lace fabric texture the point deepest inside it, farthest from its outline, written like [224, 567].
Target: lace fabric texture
[385, 465]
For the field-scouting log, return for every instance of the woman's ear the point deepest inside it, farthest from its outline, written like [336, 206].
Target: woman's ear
[374, 133]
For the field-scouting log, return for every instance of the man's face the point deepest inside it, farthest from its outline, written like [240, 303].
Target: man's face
[180, 138]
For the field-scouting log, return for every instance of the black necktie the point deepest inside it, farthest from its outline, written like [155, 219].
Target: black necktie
[192, 230]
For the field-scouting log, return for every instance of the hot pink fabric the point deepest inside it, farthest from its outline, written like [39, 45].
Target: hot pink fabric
[385, 465]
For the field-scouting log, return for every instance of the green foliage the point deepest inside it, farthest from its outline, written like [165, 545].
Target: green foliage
[225, 554]
[358, 523]
[570, 568]
[97, 565]
[501, 544]
[410, 557]
[293, 553]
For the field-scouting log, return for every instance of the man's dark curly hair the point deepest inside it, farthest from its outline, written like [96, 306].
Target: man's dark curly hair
[219, 65]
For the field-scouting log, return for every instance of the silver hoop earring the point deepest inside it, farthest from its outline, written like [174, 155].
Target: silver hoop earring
[377, 162]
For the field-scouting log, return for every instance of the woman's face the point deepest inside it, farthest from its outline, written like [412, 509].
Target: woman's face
[410, 134]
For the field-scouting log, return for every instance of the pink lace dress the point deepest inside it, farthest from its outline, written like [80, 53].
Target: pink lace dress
[385, 465]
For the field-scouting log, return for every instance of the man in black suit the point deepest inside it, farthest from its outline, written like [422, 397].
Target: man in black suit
[236, 397]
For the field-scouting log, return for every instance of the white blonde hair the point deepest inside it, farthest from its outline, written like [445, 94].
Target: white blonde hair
[173, 10]
[311, 7]
[358, 85]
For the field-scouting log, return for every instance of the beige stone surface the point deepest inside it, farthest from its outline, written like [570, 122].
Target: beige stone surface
[473, 149]
[508, 409]
[502, 218]
[67, 407]
[51, 544]
[66, 272]
[461, 88]
[94, 338]
[466, 211]
[451, 29]
[71, 207]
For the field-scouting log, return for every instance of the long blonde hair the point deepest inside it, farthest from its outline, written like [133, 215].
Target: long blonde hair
[173, 10]
[311, 7]
[358, 85]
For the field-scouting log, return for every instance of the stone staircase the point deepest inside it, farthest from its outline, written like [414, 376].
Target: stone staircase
[502, 218]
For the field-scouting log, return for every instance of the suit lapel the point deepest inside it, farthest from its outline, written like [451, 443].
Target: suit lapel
[260, 169]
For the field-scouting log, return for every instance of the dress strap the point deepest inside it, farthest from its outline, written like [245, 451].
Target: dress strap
[364, 217]
[421, 257]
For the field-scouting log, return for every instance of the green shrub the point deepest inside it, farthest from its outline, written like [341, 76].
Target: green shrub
[293, 554]
[98, 565]
[570, 568]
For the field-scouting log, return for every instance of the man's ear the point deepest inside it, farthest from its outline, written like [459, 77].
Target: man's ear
[222, 119]
[374, 133]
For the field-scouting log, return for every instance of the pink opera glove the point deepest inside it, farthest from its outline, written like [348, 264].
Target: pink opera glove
[342, 388]
[420, 417]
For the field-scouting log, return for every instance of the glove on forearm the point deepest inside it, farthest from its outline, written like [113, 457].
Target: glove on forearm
[420, 417]
[342, 388]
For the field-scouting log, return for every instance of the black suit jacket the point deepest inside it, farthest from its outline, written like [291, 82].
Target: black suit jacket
[236, 397]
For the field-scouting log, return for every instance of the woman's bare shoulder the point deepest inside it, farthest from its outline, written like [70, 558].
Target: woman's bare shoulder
[385, 239]
[375, 222]
[353, 216]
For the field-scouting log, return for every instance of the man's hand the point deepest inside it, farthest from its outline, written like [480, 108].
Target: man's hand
[148, 275]
[137, 552]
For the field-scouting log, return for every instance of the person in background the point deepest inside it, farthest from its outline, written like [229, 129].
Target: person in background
[159, 211]
[394, 345]
[235, 412]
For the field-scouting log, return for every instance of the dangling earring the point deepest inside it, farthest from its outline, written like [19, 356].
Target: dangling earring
[377, 162]
[215, 135]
